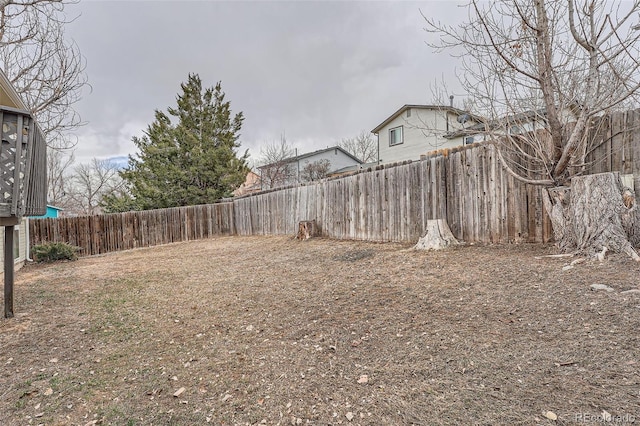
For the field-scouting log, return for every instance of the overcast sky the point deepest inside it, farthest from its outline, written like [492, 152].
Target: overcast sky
[314, 71]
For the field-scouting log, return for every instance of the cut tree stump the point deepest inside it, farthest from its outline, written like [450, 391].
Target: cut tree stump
[437, 237]
[307, 229]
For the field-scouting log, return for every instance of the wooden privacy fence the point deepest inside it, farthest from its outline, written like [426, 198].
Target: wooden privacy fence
[615, 144]
[468, 187]
[123, 231]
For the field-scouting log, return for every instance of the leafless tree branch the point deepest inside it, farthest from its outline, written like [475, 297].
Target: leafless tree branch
[274, 169]
[90, 183]
[573, 61]
[45, 67]
[363, 146]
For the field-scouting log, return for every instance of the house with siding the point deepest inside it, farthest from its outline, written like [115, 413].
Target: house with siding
[291, 170]
[20, 245]
[53, 212]
[415, 130]
[250, 185]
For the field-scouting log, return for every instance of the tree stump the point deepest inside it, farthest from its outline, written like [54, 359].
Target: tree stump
[437, 237]
[597, 212]
[307, 229]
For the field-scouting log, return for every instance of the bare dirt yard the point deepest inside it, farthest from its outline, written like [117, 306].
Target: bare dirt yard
[270, 330]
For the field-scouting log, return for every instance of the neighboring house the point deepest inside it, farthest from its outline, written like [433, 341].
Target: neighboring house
[251, 184]
[415, 130]
[297, 169]
[20, 245]
[52, 212]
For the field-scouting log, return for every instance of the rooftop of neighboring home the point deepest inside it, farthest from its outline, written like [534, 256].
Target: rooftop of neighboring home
[506, 121]
[352, 168]
[306, 155]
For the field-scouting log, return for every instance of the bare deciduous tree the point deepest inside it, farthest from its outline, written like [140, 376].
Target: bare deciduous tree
[315, 171]
[90, 183]
[274, 169]
[58, 167]
[363, 147]
[46, 69]
[542, 72]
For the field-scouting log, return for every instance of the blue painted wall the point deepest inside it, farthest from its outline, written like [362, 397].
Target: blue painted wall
[51, 212]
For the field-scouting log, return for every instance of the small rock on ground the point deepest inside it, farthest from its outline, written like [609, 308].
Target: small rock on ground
[601, 287]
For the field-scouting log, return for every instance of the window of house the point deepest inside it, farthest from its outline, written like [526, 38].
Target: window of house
[469, 140]
[408, 112]
[515, 130]
[395, 136]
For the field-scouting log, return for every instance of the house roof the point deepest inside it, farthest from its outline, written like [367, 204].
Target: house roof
[311, 154]
[512, 119]
[11, 93]
[353, 168]
[403, 108]
[471, 130]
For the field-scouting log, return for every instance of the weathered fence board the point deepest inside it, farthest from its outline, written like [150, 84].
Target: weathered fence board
[123, 231]
[468, 188]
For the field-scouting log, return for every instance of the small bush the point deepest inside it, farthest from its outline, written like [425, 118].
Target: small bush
[51, 252]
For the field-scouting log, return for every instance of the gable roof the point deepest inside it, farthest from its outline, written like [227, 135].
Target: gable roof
[403, 108]
[311, 154]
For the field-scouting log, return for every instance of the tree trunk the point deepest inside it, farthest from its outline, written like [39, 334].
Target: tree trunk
[307, 229]
[596, 212]
[437, 237]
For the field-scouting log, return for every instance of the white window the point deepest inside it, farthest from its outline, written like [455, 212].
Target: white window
[395, 136]
[408, 112]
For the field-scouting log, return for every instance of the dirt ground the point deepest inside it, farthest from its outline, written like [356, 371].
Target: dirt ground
[270, 330]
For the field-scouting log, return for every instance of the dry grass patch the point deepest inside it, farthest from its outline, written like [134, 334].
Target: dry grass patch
[269, 330]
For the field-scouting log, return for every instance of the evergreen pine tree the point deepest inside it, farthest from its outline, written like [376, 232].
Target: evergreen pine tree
[193, 161]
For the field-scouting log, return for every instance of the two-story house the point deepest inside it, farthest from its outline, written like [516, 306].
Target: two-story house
[414, 130]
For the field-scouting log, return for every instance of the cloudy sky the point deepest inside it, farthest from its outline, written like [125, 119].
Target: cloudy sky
[314, 71]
